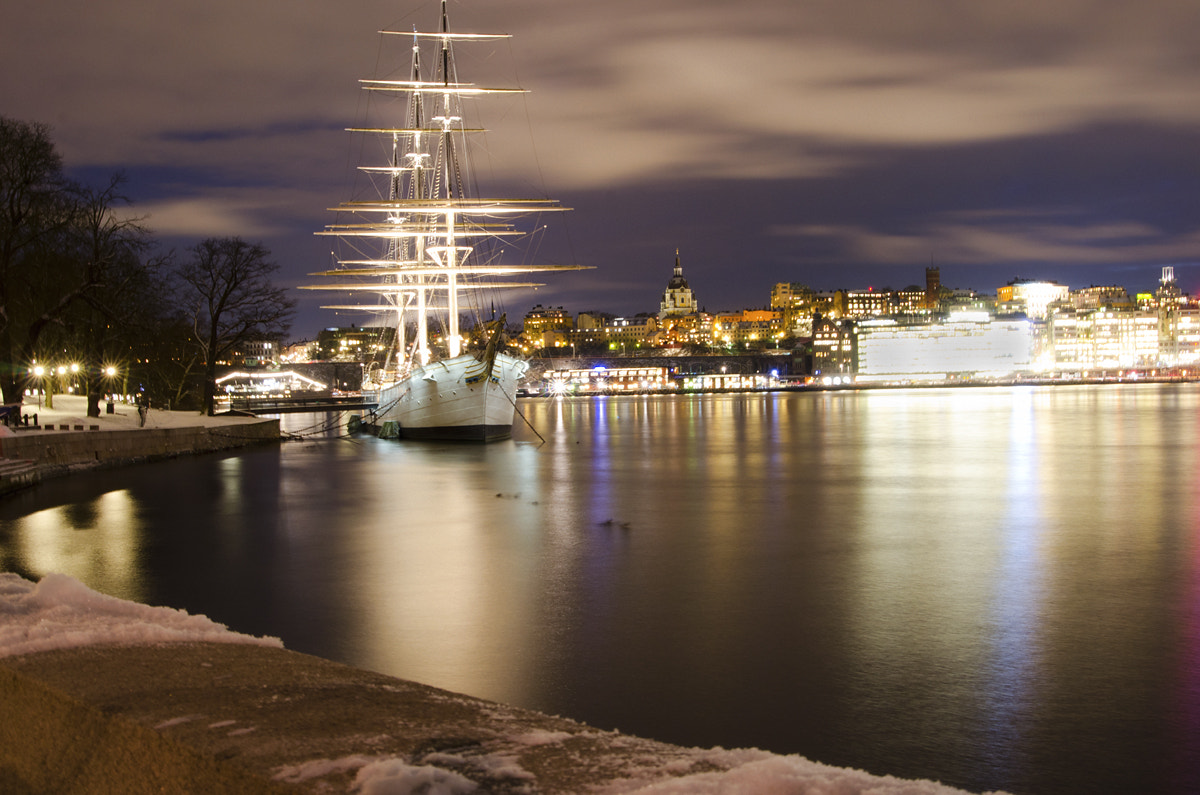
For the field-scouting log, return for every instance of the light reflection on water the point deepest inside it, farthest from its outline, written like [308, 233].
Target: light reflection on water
[996, 588]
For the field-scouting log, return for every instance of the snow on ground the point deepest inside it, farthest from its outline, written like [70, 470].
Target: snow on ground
[59, 612]
[62, 613]
[72, 410]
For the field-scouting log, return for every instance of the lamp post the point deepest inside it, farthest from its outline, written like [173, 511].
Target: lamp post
[110, 375]
[38, 373]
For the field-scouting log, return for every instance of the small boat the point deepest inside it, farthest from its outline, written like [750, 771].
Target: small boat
[434, 256]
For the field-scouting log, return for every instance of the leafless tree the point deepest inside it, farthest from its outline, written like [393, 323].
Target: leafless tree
[32, 193]
[228, 291]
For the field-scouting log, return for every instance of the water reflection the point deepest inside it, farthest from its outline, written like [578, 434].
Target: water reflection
[97, 542]
[995, 588]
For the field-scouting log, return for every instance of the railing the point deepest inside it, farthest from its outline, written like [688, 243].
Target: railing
[267, 405]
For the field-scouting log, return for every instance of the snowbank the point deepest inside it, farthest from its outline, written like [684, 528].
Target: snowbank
[61, 613]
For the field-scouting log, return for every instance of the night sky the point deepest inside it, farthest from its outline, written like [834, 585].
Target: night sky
[839, 143]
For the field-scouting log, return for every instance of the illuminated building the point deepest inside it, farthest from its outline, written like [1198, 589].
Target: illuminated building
[593, 321]
[965, 300]
[302, 351]
[798, 303]
[1067, 345]
[269, 384]
[1189, 336]
[604, 379]
[1102, 339]
[355, 344]
[756, 327]
[1106, 296]
[624, 333]
[678, 299]
[1124, 339]
[1031, 297]
[834, 346]
[966, 345]
[1170, 300]
[933, 289]
[541, 319]
[861, 303]
[256, 353]
[909, 301]
[787, 296]
[733, 382]
[693, 329]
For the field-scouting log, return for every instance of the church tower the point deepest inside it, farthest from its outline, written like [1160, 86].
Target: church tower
[678, 299]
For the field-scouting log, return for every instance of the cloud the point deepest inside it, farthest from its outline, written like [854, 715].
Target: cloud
[623, 94]
[1011, 242]
[1067, 128]
[250, 213]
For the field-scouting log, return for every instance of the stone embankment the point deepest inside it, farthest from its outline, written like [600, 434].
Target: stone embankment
[219, 717]
[65, 440]
[210, 717]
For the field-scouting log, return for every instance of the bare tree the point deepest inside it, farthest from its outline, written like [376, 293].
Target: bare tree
[96, 291]
[32, 191]
[230, 297]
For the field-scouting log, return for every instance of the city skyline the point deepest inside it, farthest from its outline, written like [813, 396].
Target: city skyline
[840, 145]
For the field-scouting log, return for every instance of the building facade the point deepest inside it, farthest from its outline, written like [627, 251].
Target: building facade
[678, 299]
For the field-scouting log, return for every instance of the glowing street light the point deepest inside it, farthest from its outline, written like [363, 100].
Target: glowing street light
[39, 372]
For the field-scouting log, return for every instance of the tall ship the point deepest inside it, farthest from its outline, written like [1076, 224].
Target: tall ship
[429, 247]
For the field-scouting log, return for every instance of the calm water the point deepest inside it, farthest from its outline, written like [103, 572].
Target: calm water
[995, 588]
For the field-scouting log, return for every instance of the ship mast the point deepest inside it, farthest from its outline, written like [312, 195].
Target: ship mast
[424, 218]
[453, 191]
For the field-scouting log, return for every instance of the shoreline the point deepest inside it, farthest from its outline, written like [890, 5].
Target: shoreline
[106, 695]
[65, 440]
[237, 717]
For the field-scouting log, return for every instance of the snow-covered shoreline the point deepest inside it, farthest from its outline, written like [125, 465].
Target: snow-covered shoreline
[65, 440]
[59, 612]
[524, 751]
[72, 410]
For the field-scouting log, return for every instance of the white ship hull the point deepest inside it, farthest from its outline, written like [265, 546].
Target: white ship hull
[454, 399]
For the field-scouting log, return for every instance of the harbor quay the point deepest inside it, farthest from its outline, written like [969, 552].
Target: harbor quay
[49, 442]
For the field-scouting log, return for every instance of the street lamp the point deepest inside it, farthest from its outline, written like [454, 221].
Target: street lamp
[110, 376]
[38, 373]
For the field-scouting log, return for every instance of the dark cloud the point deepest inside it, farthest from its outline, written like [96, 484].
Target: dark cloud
[835, 142]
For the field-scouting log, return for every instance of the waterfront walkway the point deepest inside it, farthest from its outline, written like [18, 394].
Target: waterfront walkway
[64, 439]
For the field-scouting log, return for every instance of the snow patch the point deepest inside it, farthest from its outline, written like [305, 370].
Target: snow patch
[755, 772]
[542, 737]
[394, 777]
[59, 612]
[316, 768]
